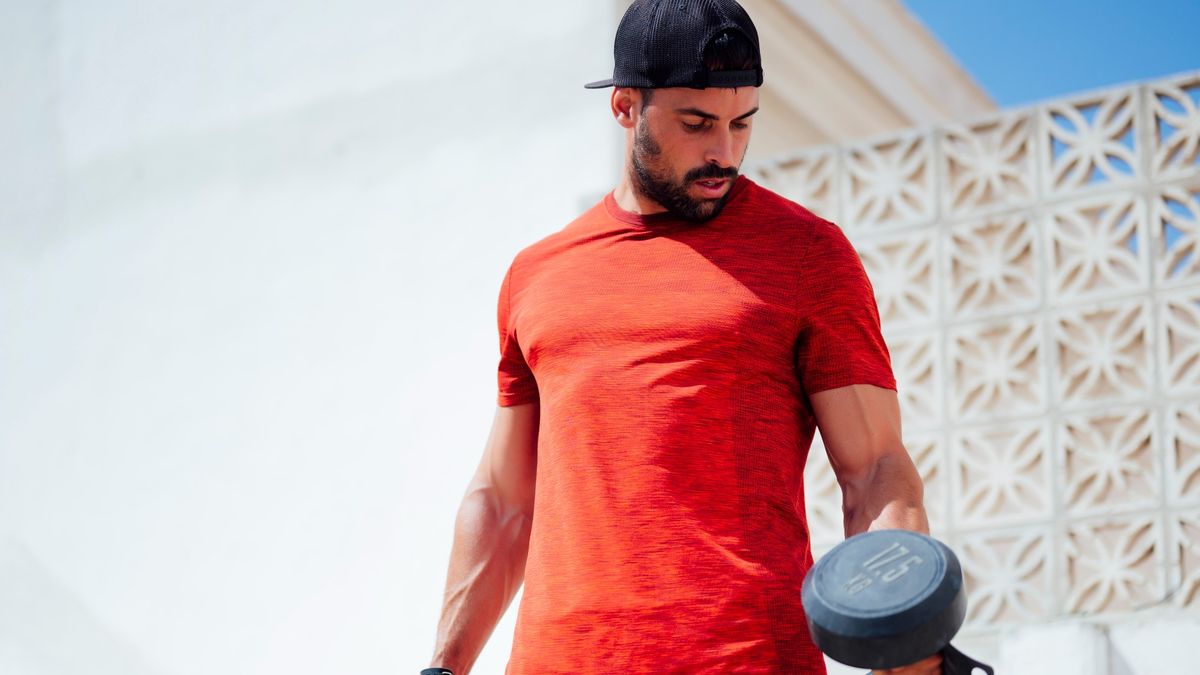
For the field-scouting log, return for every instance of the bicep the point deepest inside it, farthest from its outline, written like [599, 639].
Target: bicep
[508, 468]
[859, 424]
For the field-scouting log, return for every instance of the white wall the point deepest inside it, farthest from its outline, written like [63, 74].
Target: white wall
[249, 256]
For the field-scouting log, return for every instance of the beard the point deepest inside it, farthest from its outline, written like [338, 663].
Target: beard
[672, 195]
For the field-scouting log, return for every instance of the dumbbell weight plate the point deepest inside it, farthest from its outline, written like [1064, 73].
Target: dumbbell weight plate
[885, 599]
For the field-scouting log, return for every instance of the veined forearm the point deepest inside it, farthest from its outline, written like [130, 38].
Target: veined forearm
[487, 566]
[888, 494]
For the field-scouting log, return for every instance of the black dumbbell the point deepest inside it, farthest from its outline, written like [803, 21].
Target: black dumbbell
[888, 598]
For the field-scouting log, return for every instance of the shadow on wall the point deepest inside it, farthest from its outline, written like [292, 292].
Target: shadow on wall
[46, 630]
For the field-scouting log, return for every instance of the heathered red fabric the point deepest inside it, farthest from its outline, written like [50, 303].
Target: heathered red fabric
[672, 362]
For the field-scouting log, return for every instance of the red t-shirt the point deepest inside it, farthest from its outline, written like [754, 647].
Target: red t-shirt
[672, 362]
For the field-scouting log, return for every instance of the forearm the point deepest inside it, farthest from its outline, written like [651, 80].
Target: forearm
[891, 496]
[487, 566]
[886, 494]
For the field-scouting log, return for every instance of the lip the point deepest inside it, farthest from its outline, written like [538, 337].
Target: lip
[715, 189]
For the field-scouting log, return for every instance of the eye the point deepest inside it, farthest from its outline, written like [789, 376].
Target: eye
[740, 125]
[695, 127]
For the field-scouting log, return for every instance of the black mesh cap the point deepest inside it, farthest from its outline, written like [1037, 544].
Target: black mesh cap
[661, 43]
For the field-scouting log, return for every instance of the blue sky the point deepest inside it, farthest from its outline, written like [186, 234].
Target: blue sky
[1024, 51]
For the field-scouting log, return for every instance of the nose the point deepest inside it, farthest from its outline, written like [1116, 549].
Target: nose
[720, 149]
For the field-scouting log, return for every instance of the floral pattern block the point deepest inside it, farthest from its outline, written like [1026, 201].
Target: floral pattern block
[1179, 349]
[1176, 110]
[903, 272]
[1090, 142]
[1107, 462]
[997, 369]
[1183, 454]
[1001, 474]
[1097, 246]
[1175, 215]
[1185, 547]
[1103, 353]
[889, 183]
[1114, 565]
[1008, 576]
[918, 379]
[807, 179]
[926, 453]
[986, 165]
[993, 267]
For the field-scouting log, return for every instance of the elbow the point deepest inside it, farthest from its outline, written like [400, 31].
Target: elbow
[885, 493]
[486, 507]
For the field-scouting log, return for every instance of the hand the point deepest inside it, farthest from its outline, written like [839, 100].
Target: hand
[929, 666]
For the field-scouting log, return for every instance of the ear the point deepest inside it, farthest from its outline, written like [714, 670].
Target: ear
[624, 106]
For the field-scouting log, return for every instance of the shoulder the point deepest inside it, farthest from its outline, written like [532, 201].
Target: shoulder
[811, 230]
[569, 234]
[549, 247]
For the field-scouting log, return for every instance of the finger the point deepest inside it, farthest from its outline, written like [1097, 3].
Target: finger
[927, 666]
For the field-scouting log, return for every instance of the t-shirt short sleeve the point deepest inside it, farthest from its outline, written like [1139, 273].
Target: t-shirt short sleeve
[839, 341]
[515, 381]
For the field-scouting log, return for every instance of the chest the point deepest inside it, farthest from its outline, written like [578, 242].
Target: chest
[660, 299]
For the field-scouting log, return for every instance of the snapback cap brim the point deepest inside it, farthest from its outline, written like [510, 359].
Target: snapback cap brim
[599, 84]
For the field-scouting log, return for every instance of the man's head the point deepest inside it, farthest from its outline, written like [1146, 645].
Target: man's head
[685, 87]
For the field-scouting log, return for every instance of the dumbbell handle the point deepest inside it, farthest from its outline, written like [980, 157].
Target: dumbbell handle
[955, 662]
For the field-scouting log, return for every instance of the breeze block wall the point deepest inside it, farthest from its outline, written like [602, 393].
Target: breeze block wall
[1038, 277]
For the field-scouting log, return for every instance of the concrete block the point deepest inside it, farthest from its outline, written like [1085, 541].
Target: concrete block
[1164, 644]
[1068, 648]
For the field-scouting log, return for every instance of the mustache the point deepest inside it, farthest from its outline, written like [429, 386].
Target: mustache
[710, 171]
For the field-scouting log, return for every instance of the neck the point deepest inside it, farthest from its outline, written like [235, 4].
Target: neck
[628, 197]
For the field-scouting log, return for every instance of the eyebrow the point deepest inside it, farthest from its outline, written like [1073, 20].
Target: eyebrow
[709, 116]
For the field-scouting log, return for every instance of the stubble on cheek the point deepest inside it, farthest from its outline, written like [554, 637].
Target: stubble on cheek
[661, 187]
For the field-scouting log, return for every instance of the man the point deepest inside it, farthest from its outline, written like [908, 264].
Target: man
[664, 361]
